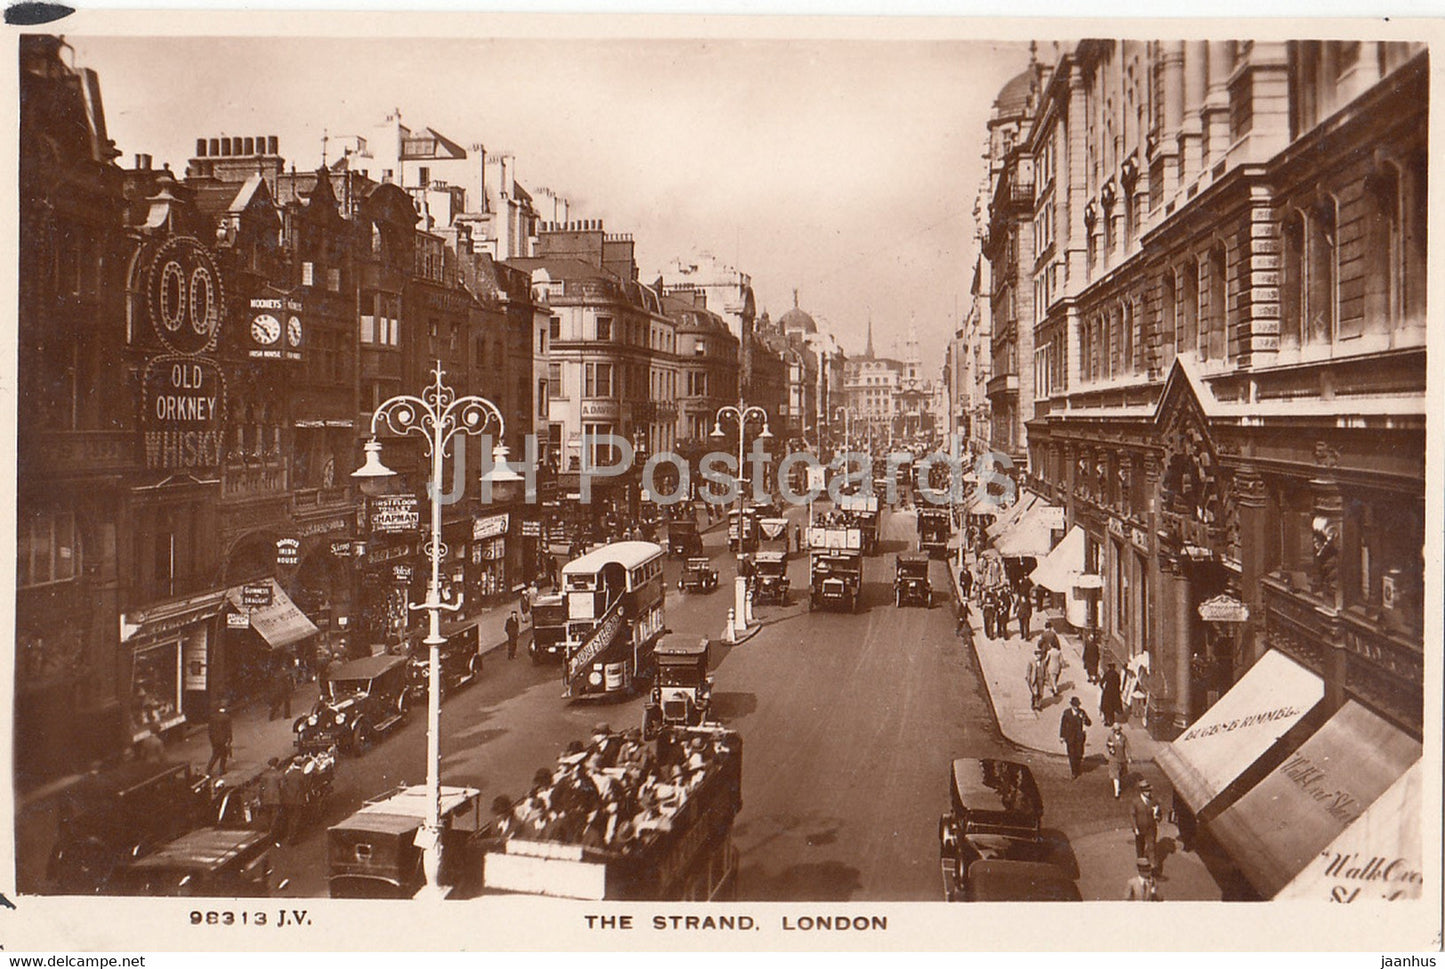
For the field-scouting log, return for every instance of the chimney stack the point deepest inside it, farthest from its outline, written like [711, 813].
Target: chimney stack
[200, 148]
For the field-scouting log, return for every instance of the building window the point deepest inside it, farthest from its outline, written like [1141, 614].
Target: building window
[604, 328]
[46, 548]
[1187, 331]
[333, 280]
[1292, 302]
[554, 328]
[1384, 280]
[308, 274]
[554, 380]
[1215, 341]
[1321, 274]
[541, 341]
[597, 380]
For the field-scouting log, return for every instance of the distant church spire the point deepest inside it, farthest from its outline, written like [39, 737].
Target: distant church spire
[868, 353]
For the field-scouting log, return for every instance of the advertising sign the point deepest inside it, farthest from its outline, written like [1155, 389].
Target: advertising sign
[184, 409]
[276, 331]
[256, 595]
[395, 513]
[238, 620]
[490, 527]
[532, 529]
[401, 573]
[288, 551]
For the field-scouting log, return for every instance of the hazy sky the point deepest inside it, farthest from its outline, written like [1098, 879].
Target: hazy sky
[846, 169]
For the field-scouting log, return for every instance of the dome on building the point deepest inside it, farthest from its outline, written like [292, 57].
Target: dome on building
[1013, 97]
[796, 320]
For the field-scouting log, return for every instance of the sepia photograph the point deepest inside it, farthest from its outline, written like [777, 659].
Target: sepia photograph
[647, 482]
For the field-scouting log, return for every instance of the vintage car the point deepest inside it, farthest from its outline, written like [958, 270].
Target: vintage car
[461, 661]
[910, 582]
[770, 577]
[236, 795]
[210, 863]
[991, 845]
[683, 538]
[549, 628]
[837, 579]
[107, 819]
[682, 694]
[373, 853]
[698, 575]
[934, 527]
[364, 699]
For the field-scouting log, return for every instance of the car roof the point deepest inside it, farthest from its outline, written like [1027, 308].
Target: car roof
[1020, 881]
[205, 848]
[913, 558]
[681, 649]
[367, 667]
[412, 801]
[987, 784]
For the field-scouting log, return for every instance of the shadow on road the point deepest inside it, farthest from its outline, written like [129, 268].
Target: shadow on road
[823, 881]
[728, 707]
[1058, 851]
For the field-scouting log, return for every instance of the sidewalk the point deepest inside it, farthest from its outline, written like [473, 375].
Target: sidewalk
[1004, 665]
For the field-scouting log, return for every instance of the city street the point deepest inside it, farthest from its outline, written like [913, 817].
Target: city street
[849, 721]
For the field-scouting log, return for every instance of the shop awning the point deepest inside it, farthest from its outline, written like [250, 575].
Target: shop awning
[1063, 568]
[1377, 856]
[1032, 536]
[1235, 732]
[1005, 521]
[281, 623]
[1283, 823]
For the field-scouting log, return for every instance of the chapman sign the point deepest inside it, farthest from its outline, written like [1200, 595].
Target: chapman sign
[185, 402]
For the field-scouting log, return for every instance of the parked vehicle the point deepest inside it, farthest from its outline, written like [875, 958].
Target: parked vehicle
[698, 575]
[364, 699]
[770, 577]
[683, 538]
[991, 846]
[373, 853]
[549, 628]
[461, 662]
[109, 819]
[682, 694]
[210, 863]
[911, 586]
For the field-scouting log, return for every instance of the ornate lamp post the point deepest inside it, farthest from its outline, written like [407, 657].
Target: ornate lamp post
[741, 414]
[847, 425]
[438, 415]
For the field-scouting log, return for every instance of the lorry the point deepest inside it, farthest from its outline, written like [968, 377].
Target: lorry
[934, 527]
[677, 846]
[836, 566]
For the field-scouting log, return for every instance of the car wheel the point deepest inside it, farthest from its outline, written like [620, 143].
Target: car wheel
[363, 738]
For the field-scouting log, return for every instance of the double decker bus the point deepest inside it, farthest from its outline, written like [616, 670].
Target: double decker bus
[614, 618]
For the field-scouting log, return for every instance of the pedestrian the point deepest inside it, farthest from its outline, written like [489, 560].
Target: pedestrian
[1025, 613]
[1144, 816]
[990, 613]
[293, 803]
[219, 731]
[1053, 666]
[1024, 587]
[1142, 887]
[1091, 655]
[524, 601]
[1116, 746]
[325, 663]
[272, 813]
[281, 688]
[797, 538]
[1071, 732]
[1111, 703]
[552, 570]
[1031, 674]
[150, 749]
[965, 582]
[962, 627]
[1048, 637]
[513, 627]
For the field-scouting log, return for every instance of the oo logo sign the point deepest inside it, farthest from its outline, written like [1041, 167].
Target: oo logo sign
[184, 295]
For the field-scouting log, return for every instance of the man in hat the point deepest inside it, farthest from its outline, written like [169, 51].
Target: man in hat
[1142, 887]
[513, 628]
[1144, 816]
[1071, 732]
[219, 731]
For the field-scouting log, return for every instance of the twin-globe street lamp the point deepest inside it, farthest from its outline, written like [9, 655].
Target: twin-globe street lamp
[740, 414]
[438, 415]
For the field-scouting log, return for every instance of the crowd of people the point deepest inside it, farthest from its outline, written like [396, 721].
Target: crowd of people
[615, 793]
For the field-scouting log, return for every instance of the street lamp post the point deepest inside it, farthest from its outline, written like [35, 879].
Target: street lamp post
[847, 425]
[741, 414]
[438, 416]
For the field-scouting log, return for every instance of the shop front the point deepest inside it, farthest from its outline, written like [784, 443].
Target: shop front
[265, 630]
[491, 575]
[168, 649]
[386, 568]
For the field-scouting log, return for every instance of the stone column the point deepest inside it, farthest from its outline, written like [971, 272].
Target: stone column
[1216, 101]
[1171, 658]
[1173, 98]
[1253, 502]
[1191, 125]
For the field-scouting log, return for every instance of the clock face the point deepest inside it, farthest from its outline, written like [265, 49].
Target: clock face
[265, 329]
[293, 331]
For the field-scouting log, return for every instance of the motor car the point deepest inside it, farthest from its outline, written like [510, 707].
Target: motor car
[549, 628]
[911, 586]
[837, 579]
[363, 700]
[995, 818]
[683, 538]
[682, 694]
[374, 854]
[770, 577]
[698, 575]
[209, 862]
[109, 818]
[461, 662]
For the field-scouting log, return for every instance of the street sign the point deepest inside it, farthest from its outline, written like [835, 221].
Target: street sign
[238, 620]
[258, 594]
[395, 513]
[343, 550]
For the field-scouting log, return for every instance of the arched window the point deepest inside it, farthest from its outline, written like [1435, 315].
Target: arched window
[1384, 278]
[1168, 313]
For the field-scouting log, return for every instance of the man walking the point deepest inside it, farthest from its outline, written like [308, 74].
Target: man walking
[1054, 665]
[281, 688]
[1117, 749]
[513, 627]
[1048, 637]
[272, 813]
[1025, 613]
[1031, 673]
[990, 613]
[1071, 732]
[220, 735]
[965, 582]
[1111, 702]
[1144, 816]
[1142, 887]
